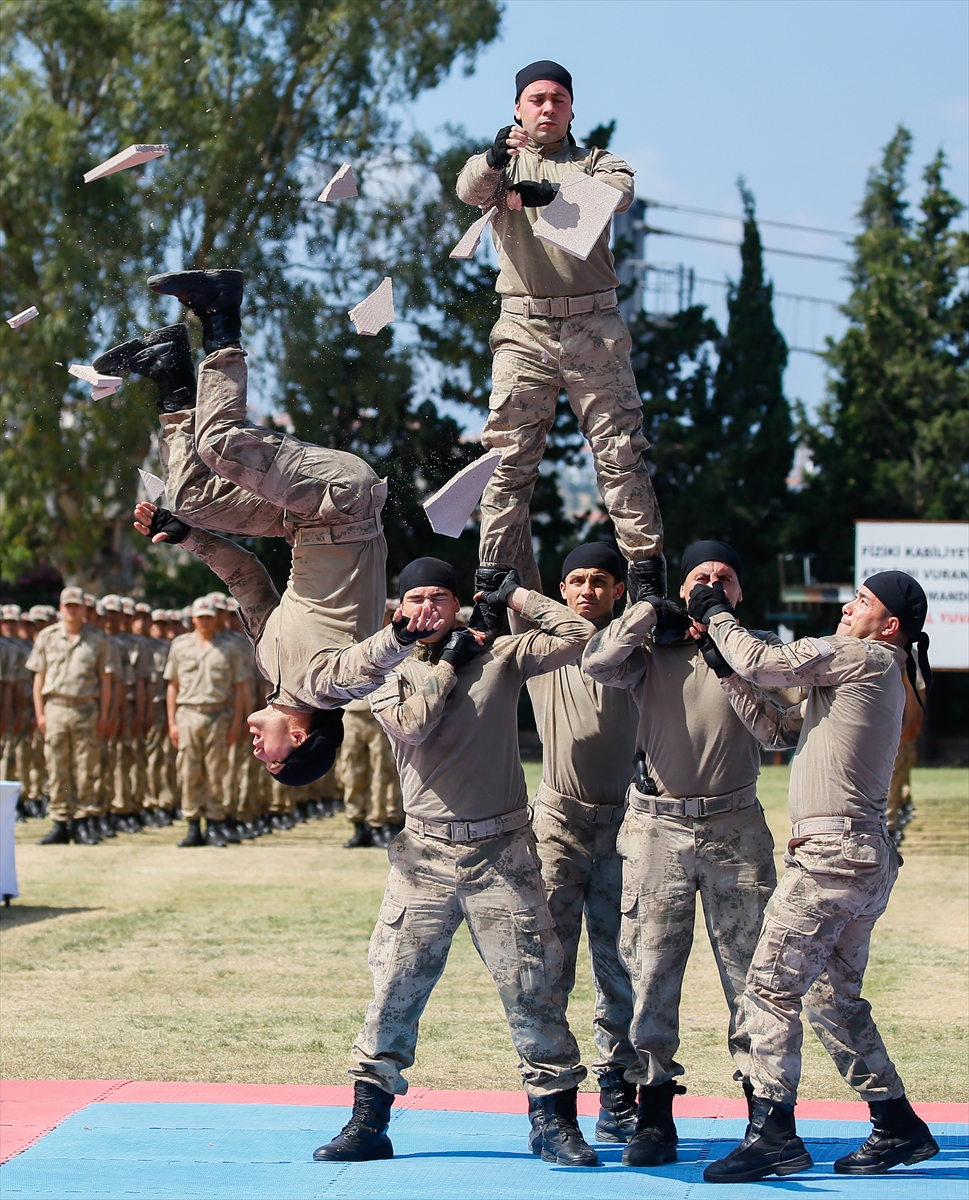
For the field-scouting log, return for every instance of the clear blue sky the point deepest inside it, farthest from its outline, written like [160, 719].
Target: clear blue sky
[799, 96]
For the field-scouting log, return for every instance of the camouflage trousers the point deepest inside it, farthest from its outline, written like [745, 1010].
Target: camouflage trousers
[496, 886]
[728, 859]
[159, 766]
[900, 788]
[37, 772]
[813, 952]
[203, 762]
[254, 781]
[73, 755]
[371, 786]
[535, 358]
[583, 877]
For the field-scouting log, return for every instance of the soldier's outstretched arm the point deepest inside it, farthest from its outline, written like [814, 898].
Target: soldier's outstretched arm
[242, 573]
[480, 184]
[410, 711]
[335, 677]
[557, 639]
[775, 727]
[611, 169]
[618, 656]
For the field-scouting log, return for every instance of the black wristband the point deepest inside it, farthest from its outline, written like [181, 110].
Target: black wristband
[714, 659]
[535, 194]
[166, 522]
[405, 636]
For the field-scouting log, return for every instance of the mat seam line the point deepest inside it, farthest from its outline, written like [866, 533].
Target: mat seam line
[118, 1083]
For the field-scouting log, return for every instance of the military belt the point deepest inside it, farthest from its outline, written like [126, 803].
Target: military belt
[337, 535]
[559, 306]
[837, 825]
[579, 810]
[73, 701]
[693, 806]
[468, 831]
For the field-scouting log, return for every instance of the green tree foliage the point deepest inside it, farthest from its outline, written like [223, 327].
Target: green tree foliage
[259, 100]
[721, 436]
[892, 438]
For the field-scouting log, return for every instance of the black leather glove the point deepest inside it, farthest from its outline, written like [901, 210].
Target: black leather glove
[166, 522]
[714, 659]
[706, 602]
[535, 195]
[671, 621]
[407, 637]
[498, 156]
[500, 594]
[460, 648]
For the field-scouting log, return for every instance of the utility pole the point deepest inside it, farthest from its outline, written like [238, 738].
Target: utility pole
[630, 226]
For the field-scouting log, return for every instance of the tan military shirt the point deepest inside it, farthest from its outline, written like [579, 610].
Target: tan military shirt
[528, 266]
[850, 722]
[455, 734]
[588, 734]
[138, 653]
[206, 672]
[158, 688]
[694, 742]
[73, 666]
[316, 645]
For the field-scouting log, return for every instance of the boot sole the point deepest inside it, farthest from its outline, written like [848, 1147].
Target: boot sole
[921, 1155]
[548, 1157]
[793, 1166]
[376, 1156]
[660, 1159]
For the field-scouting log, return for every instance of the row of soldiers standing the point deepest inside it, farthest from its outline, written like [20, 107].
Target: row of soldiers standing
[117, 716]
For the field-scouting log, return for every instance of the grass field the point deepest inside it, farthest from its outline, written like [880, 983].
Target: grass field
[137, 960]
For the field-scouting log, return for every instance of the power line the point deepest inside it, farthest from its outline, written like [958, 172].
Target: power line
[784, 295]
[695, 237]
[708, 212]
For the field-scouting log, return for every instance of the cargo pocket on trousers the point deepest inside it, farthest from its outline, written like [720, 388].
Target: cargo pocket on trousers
[385, 938]
[629, 934]
[863, 849]
[785, 946]
[534, 941]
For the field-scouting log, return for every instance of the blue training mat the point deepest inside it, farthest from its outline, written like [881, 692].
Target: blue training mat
[264, 1152]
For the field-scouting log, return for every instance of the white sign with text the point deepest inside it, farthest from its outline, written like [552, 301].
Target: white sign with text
[936, 553]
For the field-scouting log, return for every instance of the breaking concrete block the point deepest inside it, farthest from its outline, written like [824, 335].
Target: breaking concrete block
[376, 311]
[94, 378]
[577, 216]
[22, 318]
[342, 186]
[153, 485]
[99, 393]
[133, 156]
[450, 508]
[469, 243]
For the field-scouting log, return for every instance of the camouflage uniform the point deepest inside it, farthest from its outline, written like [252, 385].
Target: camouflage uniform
[467, 854]
[371, 789]
[841, 861]
[559, 329]
[159, 764]
[73, 669]
[702, 832]
[129, 784]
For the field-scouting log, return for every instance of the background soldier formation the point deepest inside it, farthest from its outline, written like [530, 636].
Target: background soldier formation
[98, 775]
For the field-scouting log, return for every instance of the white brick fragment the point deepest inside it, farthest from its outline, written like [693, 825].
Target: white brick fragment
[153, 485]
[376, 310]
[132, 156]
[469, 243]
[578, 214]
[99, 393]
[450, 508]
[342, 186]
[22, 318]
[94, 378]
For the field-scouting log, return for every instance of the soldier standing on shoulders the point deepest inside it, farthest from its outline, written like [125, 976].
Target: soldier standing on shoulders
[841, 866]
[559, 328]
[73, 665]
[694, 826]
[466, 853]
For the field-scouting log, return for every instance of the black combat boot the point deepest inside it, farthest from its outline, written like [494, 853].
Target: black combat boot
[535, 1140]
[618, 1112]
[214, 296]
[562, 1140]
[899, 1135]
[390, 831]
[646, 579]
[364, 1137]
[163, 356]
[165, 817]
[227, 831]
[106, 826]
[87, 831]
[362, 836]
[748, 1095]
[490, 619]
[194, 836]
[771, 1147]
[60, 835]
[214, 835]
[655, 1139]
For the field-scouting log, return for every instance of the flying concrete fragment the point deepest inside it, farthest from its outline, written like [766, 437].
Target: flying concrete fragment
[99, 393]
[450, 508]
[22, 318]
[133, 156]
[154, 486]
[94, 378]
[342, 186]
[376, 310]
[469, 243]
[579, 213]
